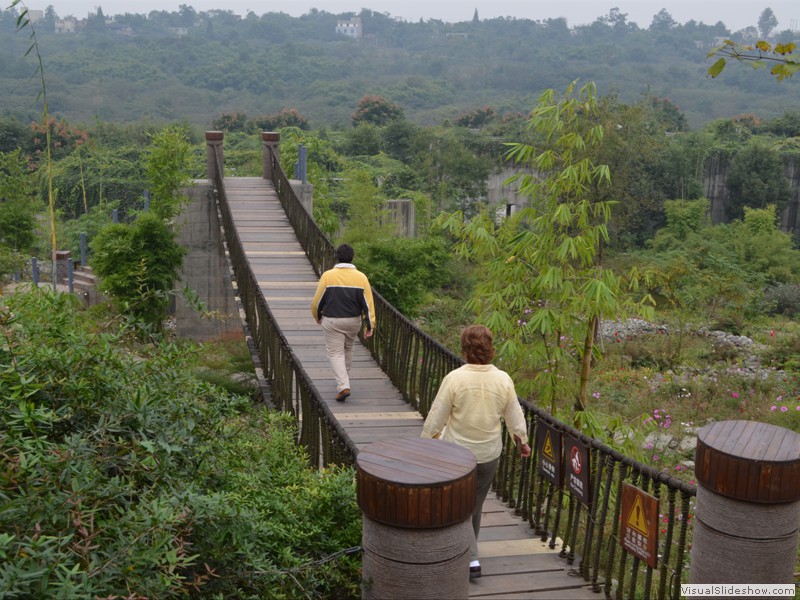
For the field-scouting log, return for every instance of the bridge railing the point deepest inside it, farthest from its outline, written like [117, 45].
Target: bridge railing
[587, 534]
[292, 390]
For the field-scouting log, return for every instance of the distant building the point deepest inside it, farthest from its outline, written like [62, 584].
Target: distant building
[68, 25]
[35, 15]
[350, 28]
[179, 31]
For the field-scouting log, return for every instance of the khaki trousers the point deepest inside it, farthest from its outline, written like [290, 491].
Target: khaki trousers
[340, 335]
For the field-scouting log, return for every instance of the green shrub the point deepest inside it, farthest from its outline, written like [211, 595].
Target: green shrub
[404, 270]
[137, 265]
[783, 299]
[124, 475]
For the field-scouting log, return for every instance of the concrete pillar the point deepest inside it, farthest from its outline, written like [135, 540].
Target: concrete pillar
[404, 214]
[416, 497]
[748, 504]
[214, 155]
[270, 146]
[60, 266]
[304, 193]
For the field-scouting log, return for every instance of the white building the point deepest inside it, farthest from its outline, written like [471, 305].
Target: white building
[351, 28]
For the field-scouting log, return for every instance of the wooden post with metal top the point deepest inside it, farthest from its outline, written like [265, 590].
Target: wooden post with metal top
[416, 497]
[748, 504]
[270, 145]
[214, 155]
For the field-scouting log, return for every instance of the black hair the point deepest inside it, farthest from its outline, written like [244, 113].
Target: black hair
[345, 253]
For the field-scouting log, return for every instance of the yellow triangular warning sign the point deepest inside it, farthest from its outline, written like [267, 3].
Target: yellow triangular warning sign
[636, 519]
[547, 450]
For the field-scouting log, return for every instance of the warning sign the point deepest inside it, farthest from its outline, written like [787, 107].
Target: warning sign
[577, 479]
[639, 526]
[548, 443]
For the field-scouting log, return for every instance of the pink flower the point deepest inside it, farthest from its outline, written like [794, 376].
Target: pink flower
[784, 408]
[735, 394]
[773, 407]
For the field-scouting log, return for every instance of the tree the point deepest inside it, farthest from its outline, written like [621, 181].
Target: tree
[376, 110]
[767, 22]
[755, 179]
[166, 164]
[236, 121]
[288, 117]
[138, 265]
[18, 208]
[662, 21]
[543, 289]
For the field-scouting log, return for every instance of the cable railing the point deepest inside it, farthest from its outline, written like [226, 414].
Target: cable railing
[586, 531]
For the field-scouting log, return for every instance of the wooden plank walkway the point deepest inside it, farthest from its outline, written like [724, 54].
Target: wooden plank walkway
[515, 564]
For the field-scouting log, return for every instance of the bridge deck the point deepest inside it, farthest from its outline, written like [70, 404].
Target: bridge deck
[515, 564]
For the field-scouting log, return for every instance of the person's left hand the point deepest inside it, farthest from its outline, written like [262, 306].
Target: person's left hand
[368, 333]
[524, 450]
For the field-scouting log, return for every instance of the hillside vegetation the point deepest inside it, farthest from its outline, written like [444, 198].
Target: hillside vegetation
[132, 67]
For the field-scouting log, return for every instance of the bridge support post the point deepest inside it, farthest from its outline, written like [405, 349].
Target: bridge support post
[416, 497]
[270, 146]
[214, 153]
[748, 504]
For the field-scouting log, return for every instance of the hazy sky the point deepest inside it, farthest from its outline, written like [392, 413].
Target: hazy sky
[736, 14]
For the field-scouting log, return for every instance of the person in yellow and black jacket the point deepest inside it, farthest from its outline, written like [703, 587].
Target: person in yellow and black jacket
[343, 301]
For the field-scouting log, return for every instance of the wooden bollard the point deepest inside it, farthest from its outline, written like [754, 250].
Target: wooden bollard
[748, 504]
[416, 497]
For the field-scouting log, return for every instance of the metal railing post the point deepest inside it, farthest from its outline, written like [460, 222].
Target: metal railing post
[83, 249]
[70, 275]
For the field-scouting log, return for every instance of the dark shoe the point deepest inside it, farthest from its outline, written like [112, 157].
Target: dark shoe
[340, 397]
[475, 572]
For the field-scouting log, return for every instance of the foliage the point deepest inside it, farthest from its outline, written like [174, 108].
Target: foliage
[453, 175]
[65, 138]
[231, 122]
[18, 207]
[758, 55]
[323, 163]
[405, 271]
[127, 476]
[91, 224]
[542, 289]
[288, 117]
[363, 209]
[228, 65]
[719, 273]
[476, 118]
[166, 164]
[96, 176]
[685, 217]
[783, 299]
[376, 110]
[137, 265]
[755, 179]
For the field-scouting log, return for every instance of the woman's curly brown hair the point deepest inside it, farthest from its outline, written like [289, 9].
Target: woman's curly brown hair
[477, 345]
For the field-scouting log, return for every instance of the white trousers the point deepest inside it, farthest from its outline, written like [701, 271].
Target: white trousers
[340, 335]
